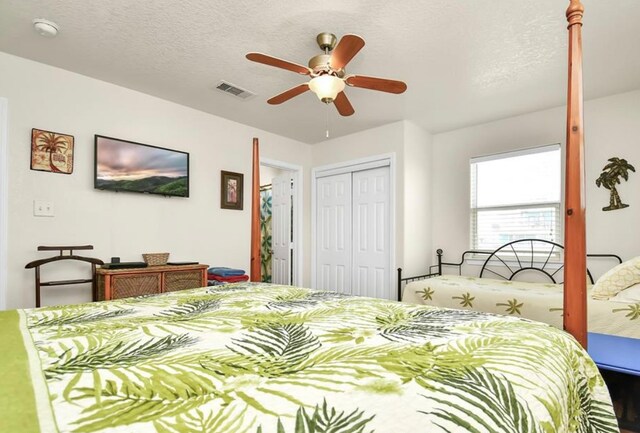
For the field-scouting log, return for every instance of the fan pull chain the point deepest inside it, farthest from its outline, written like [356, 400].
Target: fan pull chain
[327, 120]
[326, 51]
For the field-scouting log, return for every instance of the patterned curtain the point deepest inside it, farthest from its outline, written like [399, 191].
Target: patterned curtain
[265, 228]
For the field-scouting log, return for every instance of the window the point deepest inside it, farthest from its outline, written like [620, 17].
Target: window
[516, 195]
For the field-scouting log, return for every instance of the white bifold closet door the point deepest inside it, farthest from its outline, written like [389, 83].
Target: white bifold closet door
[333, 241]
[281, 229]
[353, 233]
[370, 251]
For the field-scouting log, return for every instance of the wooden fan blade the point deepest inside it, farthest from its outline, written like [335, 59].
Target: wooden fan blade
[343, 105]
[346, 49]
[285, 96]
[373, 83]
[278, 63]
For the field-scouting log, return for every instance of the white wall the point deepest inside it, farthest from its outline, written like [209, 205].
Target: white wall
[268, 173]
[120, 224]
[4, 178]
[417, 200]
[611, 131]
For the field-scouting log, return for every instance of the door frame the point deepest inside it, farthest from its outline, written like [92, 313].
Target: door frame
[350, 166]
[4, 200]
[298, 188]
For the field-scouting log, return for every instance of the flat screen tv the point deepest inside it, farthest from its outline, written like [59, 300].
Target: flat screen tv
[123, 165]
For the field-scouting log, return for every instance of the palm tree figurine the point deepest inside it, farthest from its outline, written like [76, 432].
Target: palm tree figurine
[610, 177]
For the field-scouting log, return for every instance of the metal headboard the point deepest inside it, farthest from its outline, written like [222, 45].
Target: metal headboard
[509, 260]
[523, 255]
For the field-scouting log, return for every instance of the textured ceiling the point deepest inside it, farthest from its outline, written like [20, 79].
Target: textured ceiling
[465, 62]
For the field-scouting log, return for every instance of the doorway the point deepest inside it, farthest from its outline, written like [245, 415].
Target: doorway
[4, 200]
[280, 222]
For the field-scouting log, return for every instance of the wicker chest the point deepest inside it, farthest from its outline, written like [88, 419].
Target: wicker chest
[124, 283]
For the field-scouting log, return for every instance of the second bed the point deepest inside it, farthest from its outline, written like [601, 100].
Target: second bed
[501, 293]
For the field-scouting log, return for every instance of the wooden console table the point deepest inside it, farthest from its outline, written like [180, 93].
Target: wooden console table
[124, 283]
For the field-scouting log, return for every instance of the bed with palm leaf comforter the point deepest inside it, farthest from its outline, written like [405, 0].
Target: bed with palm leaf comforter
[261, 358]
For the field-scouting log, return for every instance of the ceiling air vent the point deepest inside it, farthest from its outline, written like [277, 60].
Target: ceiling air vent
[234, 90]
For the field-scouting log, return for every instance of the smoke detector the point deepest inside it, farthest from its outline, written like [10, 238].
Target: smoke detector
[45, 28]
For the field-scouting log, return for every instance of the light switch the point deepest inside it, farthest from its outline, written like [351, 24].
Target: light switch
[43, 208]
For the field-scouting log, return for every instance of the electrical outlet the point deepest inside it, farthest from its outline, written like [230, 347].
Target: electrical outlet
[43, 208]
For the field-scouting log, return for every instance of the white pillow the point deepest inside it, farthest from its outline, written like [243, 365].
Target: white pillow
[630, 295]
[617, 279]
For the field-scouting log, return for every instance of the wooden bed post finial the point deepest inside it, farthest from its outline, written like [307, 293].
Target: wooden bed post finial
[575, 11]
[255, 272]
[575, 259]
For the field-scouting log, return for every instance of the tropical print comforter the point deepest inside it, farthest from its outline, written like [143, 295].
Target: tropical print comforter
[536, 301]
[260, 358]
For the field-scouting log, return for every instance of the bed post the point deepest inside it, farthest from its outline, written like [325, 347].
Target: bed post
[400, 284]
[255, 215]
[575, 269]
[439, 253]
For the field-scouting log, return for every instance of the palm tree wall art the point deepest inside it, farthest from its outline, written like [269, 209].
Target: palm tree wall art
[51, 151]
[616, 169]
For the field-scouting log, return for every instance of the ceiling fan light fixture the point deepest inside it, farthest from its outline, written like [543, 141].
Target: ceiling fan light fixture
[326, 87]
[328, 78]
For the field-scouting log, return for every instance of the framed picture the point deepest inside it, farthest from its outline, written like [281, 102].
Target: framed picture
[51, 151]
[231, 194]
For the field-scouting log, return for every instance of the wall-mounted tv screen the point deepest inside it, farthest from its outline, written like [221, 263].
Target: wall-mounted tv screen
[123, 165]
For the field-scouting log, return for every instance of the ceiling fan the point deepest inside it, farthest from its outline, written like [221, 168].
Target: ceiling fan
[328, 76]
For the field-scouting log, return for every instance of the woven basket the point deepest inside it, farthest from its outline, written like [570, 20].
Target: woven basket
[156, 259]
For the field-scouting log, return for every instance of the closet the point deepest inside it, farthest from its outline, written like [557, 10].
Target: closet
[353, 230]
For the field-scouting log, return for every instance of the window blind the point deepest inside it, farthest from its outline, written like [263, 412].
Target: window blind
[516, 195]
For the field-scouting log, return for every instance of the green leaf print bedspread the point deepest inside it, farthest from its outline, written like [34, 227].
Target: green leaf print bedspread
[261, 358]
